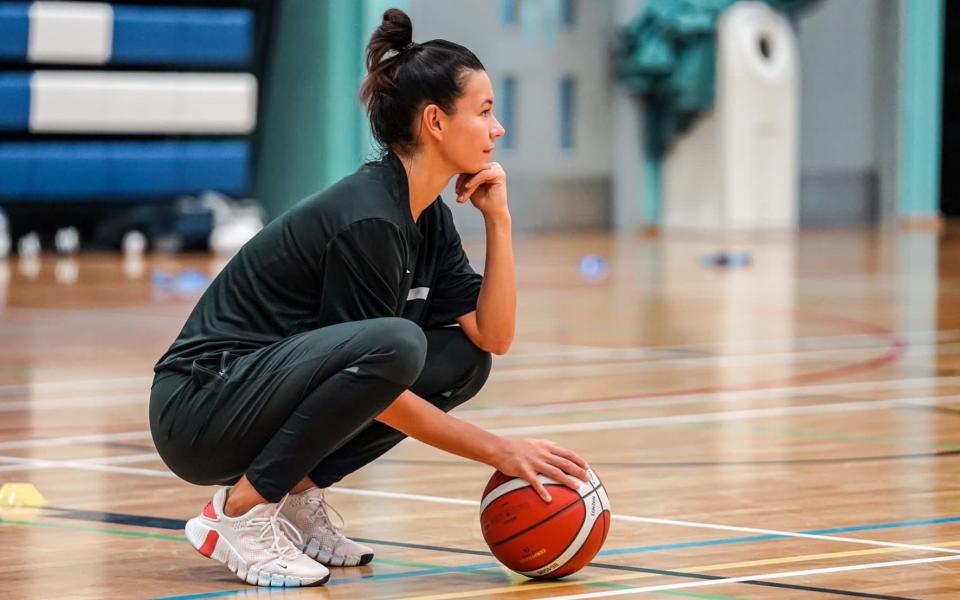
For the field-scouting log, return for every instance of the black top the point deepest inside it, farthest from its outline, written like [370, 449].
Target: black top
[349, 253]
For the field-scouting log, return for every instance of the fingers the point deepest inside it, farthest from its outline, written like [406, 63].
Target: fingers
[571, 468]
[559, 476]
[534, 481]
[468, 183]
[572, 457]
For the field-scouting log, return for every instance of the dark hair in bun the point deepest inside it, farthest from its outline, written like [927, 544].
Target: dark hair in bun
[403, 77]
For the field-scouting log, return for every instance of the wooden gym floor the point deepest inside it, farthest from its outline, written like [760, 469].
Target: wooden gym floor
[786, 430]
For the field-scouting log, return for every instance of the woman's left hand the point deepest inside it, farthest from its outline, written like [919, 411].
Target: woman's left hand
[487, 190]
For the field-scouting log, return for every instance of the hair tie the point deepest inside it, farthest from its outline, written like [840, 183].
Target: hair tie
[393, 52]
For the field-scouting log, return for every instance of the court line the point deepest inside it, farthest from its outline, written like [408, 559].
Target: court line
[165, 523]
[16, 464]
[136, 520]
[73, 402]
[732, 347]
[561, 427]
[728, 580]
[12, 389]
[80, 464]
[729, 415]
[669, 399]
[425, 568]
[540, 409]
[587, 369]
[645, 575]
[46, 442]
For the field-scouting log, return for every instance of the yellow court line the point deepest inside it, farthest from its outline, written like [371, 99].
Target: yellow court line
[696, 569]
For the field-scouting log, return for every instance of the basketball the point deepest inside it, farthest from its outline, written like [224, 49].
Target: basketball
[544, 540]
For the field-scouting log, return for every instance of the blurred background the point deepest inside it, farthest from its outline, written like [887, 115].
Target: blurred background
[135, 125]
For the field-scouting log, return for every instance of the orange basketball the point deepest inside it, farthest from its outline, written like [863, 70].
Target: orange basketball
[541, 540]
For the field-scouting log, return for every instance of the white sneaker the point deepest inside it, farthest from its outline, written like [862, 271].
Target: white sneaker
[323, 540]
[261, 547]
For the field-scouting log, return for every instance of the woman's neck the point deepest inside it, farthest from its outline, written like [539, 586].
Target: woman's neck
[427, 175]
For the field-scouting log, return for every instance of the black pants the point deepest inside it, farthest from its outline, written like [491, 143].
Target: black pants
[305, 406]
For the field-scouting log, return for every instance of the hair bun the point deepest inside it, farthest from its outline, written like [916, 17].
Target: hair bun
[394, 33]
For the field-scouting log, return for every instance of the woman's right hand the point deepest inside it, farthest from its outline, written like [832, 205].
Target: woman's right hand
[525, 458]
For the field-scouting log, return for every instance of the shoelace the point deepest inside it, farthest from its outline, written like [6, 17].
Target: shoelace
[280, 532]
[321, 512]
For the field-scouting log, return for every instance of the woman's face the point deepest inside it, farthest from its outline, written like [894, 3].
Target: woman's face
[470, 133]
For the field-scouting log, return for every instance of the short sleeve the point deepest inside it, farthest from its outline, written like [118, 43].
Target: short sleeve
[362, 272]
[457, 286]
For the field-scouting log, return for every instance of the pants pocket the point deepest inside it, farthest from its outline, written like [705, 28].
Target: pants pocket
[211, 366]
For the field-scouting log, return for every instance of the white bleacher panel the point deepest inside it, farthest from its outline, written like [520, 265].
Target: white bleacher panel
[70, 32]
[165, 103]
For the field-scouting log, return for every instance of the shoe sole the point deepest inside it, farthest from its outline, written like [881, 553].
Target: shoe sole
[333, 561]
[208, 542]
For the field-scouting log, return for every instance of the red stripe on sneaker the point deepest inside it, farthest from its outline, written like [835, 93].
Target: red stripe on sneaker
[210, 512]
[209, 544]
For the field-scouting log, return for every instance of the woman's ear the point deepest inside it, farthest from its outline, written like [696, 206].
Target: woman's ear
[433, 121]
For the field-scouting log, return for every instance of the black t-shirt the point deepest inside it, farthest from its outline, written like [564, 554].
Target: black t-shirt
[349, 253]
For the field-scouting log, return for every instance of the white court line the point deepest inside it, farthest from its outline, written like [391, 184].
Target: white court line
[558, 408]
[75, 439]
[103, 383]
[813, 536]
[39, 386]
[73, 402]
[913, 338]
[19, 464]
[581, 369]
[728, 415]
[733, 395]
[757, 577]
[100, 465]
[560, 427]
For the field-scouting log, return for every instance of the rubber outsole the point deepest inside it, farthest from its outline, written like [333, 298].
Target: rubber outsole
[223, 552]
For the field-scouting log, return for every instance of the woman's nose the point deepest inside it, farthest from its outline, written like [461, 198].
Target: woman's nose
[498, 130]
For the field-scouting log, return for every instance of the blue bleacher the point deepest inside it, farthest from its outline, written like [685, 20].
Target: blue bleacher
[39, 171]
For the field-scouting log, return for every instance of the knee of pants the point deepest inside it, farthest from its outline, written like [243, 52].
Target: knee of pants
[401, 346]
[482, 363]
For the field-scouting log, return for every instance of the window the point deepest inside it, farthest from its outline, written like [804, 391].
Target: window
[509, 12]
[568, 13]
[506, 103]
[568, 94]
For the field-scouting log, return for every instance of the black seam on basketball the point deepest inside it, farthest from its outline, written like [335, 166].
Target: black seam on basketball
[510, 491]
[570, 543]
[559, 554]
[537, 524]
[583, 500]
[503, 541]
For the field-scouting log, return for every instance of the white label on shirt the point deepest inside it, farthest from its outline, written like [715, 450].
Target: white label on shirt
[419, 293]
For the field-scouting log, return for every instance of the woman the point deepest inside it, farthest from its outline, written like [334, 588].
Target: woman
[351, 321]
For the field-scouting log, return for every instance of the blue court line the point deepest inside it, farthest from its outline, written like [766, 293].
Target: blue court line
[767, 537]
[614, 552]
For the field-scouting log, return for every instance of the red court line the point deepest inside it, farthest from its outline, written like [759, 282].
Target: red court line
[893, 353]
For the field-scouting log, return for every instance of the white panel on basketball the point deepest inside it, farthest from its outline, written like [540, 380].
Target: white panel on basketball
[585, 491]
[73, 32]
[585, 528]
[98, 102]
[509, 486]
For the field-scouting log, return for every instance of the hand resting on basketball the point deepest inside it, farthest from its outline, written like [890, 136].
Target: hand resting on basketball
[521, 458]
[525, 458]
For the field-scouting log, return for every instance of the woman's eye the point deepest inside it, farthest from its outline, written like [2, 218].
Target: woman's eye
[485, 113]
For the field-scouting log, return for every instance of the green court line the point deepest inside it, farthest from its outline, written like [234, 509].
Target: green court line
[123, 532]
[383, 561]
[620, 586]
[180, 538]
